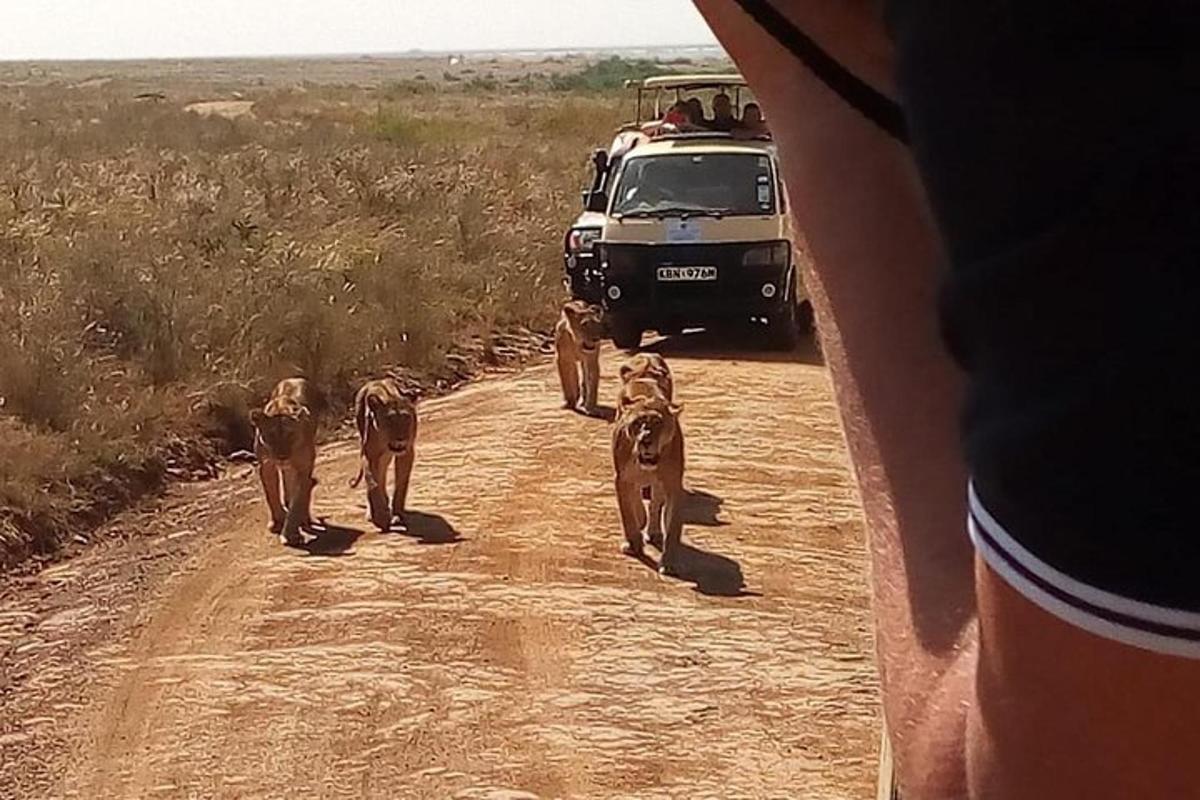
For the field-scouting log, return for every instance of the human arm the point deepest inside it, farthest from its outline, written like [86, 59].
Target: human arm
[857, 199]
[1064, 186]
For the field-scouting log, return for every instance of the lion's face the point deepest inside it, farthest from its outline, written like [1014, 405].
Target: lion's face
[281, 429]
[587, 323]
[393, 423]
[651, 429]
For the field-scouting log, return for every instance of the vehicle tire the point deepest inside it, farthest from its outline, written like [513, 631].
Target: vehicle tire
[783, 329]
[804, 318]
[626, 334]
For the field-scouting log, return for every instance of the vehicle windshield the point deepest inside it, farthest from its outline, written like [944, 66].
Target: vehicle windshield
[696, 184]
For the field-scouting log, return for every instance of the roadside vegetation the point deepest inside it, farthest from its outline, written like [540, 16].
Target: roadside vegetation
[610, 73]
[161, 267]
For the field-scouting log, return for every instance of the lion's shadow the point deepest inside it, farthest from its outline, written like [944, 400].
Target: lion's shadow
[329, 540]
[427, 528]
[702, 508]
[710, 573]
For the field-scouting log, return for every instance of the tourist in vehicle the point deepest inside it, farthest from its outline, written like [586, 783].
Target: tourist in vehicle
[678, 115]
[751, 124]
[677, 119]
[696, 107]
[723, 119]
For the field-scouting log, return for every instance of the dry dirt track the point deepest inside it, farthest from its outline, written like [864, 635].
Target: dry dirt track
[504, 649]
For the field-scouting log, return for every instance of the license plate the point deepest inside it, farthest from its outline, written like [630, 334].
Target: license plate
[687, 273]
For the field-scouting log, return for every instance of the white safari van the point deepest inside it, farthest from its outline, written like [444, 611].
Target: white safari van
[687, 227]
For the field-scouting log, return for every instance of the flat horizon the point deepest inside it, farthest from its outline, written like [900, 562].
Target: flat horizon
[716, 49]
[137, 30]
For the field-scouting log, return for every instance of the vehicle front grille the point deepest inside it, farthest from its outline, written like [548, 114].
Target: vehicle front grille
[634, 268]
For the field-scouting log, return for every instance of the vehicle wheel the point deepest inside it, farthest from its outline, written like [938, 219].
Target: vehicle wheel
[783, 329]
[626, 334]
[804, 318]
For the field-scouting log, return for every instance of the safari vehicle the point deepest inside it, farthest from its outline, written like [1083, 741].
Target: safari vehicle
[687, 228]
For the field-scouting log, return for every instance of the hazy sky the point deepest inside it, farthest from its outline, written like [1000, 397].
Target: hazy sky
[45, 29]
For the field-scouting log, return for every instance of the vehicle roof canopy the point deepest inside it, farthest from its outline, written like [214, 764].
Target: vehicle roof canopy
[701, 144]
[687, 82]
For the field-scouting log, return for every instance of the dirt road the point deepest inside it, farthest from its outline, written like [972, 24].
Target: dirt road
[504, 649]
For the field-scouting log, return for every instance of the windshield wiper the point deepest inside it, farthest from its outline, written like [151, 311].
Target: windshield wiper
[677, 211]
[713, 212]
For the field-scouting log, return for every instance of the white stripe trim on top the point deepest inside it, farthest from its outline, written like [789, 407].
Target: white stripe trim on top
[1073, 615]
[1162, 615]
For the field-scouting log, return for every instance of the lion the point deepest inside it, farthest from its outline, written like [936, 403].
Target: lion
[652, 366]
[648, 452]
[644, 367]
[387, 429]
[285, 447]
[577, 348]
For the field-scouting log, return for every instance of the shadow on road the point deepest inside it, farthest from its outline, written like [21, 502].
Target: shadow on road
[331, 541]
[712, 574]
[738, 345]
[702, 508]
[429, 528]
[604, 412]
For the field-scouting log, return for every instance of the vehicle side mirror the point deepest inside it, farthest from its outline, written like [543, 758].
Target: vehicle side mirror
[596, 201]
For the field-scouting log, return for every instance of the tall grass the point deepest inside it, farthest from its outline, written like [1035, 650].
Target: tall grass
[159, 270]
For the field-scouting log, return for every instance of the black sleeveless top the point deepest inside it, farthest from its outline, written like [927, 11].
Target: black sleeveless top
[1057, 146]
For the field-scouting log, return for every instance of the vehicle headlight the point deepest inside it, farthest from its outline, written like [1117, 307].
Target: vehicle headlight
[769, 255]
[582, 240]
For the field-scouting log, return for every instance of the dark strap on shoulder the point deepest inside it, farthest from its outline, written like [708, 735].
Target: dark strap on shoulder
[869, 102]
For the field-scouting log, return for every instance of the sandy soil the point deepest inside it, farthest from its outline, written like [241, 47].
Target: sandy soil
[502, 649]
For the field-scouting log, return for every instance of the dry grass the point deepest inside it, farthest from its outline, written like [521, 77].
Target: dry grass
[155, 263]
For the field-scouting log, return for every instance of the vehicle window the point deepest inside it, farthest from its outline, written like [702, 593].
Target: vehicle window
[725, 184]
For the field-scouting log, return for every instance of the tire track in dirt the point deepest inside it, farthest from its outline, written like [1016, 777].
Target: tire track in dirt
[505, 649]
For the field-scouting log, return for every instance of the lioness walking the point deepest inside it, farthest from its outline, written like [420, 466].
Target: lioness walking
[650, 366]
[577, 348]
[285, 446]
[387, 430]
[648, 452]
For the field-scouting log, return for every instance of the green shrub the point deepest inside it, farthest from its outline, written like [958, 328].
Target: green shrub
[607, 74]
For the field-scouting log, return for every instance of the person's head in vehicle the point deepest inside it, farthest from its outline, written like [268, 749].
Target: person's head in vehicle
[752, 120]
[678, 115]
[723, 118]
[696, 110]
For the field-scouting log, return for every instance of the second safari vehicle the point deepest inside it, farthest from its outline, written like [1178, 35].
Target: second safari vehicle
[685, 224]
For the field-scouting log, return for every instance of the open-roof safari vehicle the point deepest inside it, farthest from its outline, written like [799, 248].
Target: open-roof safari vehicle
[684, 226]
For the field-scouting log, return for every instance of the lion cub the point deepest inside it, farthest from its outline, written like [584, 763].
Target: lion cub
[645, 366]
[577, 347]
[285, 446]
[387, 429]
[648, 453]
